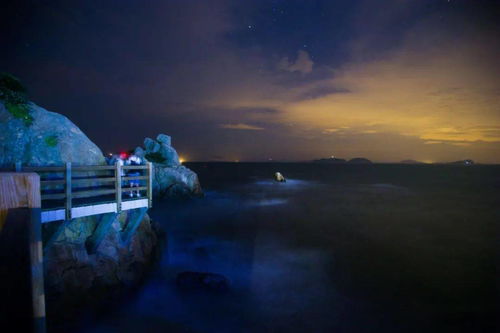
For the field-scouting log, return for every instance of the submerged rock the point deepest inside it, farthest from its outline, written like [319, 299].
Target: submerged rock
[170, 179]
[202, 281]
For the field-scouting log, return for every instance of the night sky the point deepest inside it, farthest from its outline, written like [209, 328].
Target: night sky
[251, 80]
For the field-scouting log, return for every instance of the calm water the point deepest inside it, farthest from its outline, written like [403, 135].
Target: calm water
[338, 248]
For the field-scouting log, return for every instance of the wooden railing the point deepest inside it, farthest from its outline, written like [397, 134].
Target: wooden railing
[94, 185]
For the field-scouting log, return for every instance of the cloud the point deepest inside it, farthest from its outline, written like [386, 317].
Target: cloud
[318, 91]
[241, 126]
[302, 64]
[439, 91]
[437, 95]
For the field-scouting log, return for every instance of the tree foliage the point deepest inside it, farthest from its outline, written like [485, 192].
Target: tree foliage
[13, 93]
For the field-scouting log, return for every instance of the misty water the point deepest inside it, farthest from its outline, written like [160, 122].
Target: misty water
[337, 248]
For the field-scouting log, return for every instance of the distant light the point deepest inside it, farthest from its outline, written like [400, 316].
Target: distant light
[123, 155]
[181, 160]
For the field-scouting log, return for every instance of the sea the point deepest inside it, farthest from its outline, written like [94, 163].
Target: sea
[336, 248]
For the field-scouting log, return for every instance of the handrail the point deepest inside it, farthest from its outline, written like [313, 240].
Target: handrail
[134, 167]
[93, 167]
[67, 192]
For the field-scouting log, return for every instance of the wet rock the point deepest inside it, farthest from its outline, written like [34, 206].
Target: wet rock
[202, 281]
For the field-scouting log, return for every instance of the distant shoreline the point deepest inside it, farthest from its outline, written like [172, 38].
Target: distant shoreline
[349, 164]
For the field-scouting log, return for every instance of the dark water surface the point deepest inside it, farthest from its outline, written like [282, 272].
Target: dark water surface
[338, 248]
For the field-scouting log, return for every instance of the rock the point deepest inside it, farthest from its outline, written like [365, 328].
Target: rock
[151, 145]
[178, 182]
[139, 152]
[170, 177]
[165, 139]
[161, 152]
[279, 177]
[37, 137]
[74, 275]
[170, 155]
[50, 139]
[202, 281]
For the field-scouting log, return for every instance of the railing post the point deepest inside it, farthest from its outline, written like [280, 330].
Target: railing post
[118, 186]
[21, 255]
[150, 184]
[68, 191]
[19, 167]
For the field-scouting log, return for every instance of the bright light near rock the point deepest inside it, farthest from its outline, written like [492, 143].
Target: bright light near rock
[181, 160]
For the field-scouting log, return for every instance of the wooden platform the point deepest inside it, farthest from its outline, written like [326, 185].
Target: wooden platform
[94, 209]
[69, 192]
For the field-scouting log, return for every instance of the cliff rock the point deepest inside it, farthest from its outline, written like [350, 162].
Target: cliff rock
[36, 137]
[48, 138]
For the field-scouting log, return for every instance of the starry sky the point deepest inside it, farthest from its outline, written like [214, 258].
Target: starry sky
[252, 80]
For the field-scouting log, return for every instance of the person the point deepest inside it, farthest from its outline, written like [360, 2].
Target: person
[134, 160]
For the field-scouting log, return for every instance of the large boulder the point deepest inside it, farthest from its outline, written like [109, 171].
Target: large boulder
[170, 179]
[177, 182]
[161, 152]
[47, 139]
[36, 137]
[75, 277]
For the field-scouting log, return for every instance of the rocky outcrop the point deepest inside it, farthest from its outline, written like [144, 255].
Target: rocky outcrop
[171, 179]
[36, 137]
[75, 277]
[47, 139]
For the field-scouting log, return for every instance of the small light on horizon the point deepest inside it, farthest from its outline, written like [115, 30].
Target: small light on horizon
[181, 160]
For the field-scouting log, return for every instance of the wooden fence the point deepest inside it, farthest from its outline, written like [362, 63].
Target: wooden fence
[98, 189]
